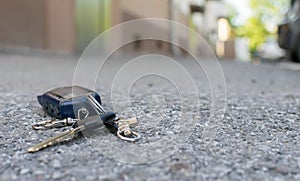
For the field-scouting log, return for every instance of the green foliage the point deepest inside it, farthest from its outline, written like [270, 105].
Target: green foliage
[255, 30]
[265, 14]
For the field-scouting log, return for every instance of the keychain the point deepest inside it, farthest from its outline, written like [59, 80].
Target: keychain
[60, 103]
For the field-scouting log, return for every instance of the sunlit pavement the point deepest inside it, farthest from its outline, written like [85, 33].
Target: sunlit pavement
[258, 139]
[289, 65]
[284, 63]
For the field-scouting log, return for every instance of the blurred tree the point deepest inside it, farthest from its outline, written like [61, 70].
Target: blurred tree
[254, 29]
[266, 15]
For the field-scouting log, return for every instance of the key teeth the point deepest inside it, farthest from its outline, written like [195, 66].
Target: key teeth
[41, 125]
[53, 140]
[55, 123]
[124, 132]
[31, 150]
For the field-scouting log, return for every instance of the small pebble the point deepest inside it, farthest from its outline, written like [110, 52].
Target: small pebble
[56, 164]
[24, 171]
[57, 175]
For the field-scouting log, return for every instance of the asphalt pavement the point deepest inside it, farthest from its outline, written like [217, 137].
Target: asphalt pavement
[257, 139]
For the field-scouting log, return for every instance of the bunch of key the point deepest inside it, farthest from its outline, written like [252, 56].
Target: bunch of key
[81, 109]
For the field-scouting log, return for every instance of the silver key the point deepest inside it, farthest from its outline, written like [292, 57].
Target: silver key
[54, 123]
[58, 138]
[58, 123]
[88, 124]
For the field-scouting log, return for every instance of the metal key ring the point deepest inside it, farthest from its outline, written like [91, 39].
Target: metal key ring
[133, 139]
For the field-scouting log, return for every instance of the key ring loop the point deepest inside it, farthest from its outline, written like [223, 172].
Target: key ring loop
[135, 137]
[124, 132]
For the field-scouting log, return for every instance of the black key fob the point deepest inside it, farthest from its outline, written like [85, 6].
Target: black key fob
[93, 122]
[64, 102]
[109, 119]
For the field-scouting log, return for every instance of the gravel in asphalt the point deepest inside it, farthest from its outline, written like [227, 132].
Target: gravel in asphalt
[258, 138]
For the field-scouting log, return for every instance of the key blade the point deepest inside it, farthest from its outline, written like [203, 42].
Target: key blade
[54, 123]
[41, 125]
[53, 140]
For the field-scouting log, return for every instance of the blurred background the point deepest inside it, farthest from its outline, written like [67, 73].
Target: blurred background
[248, 30]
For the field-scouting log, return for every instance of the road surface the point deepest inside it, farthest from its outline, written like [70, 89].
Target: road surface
[258, 138]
